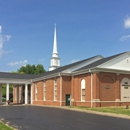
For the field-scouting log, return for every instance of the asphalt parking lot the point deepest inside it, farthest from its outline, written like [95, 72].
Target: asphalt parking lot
[48, 118]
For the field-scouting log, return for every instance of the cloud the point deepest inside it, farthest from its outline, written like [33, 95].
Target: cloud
[0, 29]
[127, 22]
[3, 38]
[8, 37]
[41, 60]
[124, 38]
[7, 52]
[74, 60]
[22, 63]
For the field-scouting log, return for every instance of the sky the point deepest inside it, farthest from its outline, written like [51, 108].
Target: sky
[85, 28]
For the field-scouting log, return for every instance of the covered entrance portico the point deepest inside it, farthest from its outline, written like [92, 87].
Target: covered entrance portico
[21, 89]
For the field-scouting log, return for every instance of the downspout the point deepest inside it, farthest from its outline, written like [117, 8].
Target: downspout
[60, 89]
[91, 87]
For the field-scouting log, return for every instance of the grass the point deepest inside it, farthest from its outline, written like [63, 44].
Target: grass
[4, 127]
[116, 110]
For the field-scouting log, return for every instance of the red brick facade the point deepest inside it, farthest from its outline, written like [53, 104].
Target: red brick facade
[106, 90]
[101, 89]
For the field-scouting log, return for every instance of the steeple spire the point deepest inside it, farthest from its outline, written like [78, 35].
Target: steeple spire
[55, 60]
[55, 53]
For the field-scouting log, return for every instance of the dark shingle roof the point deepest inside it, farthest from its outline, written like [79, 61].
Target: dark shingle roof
[31, 76]
[99, 62]
[60, 69]
[16, 76]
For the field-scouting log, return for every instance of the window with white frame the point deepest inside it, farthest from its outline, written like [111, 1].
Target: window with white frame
[82, 90]
[44, 90]
[55, 90]
[36, 92]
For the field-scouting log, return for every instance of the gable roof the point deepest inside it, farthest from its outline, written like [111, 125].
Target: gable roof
[63, 68]
[99, 62]
[5, 75]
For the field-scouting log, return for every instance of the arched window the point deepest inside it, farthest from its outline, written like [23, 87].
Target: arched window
[36, 92]
[55, 90]
[82, 90]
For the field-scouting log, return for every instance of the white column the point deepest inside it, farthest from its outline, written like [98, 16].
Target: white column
[7, 92]
[26, 94]
[31, 93]
[0, 94]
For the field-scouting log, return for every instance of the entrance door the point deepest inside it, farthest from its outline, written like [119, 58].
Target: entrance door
[67, 99]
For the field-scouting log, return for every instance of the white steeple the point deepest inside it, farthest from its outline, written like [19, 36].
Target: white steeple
[55, 53]
[55, 60]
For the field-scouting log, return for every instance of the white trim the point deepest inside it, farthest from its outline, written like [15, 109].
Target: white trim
[44, 90]
[97, 70]
[55, 89]
[26, 94]
[47, 101]
[45, 77]
[83, 87]
[60, 90]
[96, 101]
[14, 81]
[36, 92]
[91, 88]
[7, 92]
[32, 93]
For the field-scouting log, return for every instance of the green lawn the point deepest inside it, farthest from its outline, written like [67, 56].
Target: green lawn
[116, 110]
[4, 127]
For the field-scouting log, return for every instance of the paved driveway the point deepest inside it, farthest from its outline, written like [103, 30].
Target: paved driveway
[47, 118]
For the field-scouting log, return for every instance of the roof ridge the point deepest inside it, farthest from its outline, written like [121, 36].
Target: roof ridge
[100, 61]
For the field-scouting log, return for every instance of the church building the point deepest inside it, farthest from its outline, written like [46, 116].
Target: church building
[93, 82]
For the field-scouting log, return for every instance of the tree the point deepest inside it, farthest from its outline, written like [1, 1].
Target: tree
[4, 91]
[31, 69]
[39, 69]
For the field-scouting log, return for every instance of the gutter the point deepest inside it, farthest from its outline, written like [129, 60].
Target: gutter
[60, 89]
[31, 92]
[91, 87]
[44, 77]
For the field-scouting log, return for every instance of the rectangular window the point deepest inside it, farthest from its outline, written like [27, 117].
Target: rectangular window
[44, 86]
[36, 92]
[55, 90]
[83, 94]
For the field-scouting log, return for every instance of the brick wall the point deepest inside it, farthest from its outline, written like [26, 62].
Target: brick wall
[66, 88]
[106, 89]
[76, 90]
[49, 92]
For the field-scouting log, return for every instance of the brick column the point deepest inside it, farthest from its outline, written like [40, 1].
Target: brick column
[117, 90]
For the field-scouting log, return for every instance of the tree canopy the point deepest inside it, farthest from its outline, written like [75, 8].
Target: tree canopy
[31, 69]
